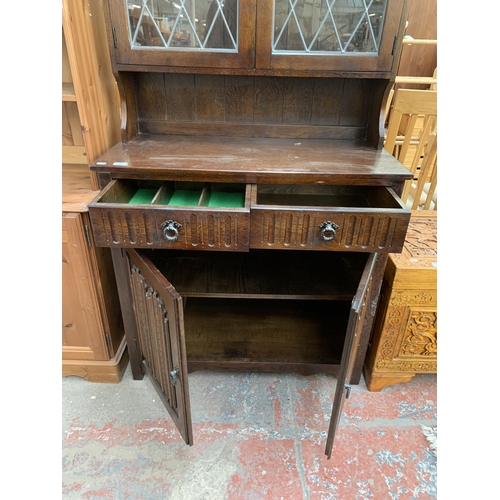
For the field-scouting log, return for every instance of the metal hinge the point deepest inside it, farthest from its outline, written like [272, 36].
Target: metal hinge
[348, 389]
[108, 341]
[87, 234]
[113, 30]
[174, 375]
[394, 45]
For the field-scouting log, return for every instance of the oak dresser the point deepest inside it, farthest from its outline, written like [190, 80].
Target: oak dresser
[250, 206]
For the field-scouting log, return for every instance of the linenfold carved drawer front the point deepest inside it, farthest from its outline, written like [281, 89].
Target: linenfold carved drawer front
[172, 214]
[324, 217]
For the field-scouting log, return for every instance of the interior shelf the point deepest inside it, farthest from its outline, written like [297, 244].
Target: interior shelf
[263, 332]
[277, 274]
[68, 92]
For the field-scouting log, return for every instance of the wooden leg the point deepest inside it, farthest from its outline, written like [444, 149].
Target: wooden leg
[376, 383]
[120, 264]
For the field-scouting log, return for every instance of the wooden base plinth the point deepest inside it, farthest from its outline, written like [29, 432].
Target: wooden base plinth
[375, 383]
[110, 372]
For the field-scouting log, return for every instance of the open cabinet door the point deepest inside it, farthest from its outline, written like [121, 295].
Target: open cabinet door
[360, 306]
[160, 331]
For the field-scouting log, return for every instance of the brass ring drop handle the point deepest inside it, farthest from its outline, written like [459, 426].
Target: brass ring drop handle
[328, 230]
[171, 230]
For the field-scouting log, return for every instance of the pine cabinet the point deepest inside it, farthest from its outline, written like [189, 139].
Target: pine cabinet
[93, 345]
[93, 342]
[80, 303]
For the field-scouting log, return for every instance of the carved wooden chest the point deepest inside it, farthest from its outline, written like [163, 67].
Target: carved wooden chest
[404, 340]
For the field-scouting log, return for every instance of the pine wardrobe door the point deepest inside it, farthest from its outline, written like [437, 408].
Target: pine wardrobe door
[359, 308]
[160, 331]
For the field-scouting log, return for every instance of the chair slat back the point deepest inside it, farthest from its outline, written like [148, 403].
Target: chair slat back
[412, 139]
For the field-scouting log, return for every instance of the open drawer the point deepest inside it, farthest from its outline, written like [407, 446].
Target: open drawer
[328, 217]
[172, 214]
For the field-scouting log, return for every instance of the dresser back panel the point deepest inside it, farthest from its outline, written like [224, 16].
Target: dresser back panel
[254, 106]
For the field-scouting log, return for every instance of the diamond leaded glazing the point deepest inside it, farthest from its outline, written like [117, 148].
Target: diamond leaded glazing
[184, 24]
[319, 26]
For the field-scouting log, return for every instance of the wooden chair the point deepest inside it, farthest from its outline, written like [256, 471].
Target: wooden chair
[412, 139]
[431, 81]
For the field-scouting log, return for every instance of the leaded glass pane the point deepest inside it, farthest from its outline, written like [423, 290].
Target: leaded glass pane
[312, 26]
[184, 24]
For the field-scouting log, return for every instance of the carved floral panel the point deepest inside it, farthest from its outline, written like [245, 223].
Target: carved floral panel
[409, 338]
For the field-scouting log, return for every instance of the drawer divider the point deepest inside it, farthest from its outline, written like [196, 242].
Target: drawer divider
[163, 194]
[205, 195]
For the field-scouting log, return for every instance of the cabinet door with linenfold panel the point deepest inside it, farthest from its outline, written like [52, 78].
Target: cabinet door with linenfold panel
[160, 339]
[177, 330]
[361, 305]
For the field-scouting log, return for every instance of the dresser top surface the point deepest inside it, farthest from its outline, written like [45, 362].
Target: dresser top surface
[77, 190]
[252, 160]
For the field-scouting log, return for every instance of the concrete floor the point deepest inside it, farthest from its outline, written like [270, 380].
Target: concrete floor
[256, 436]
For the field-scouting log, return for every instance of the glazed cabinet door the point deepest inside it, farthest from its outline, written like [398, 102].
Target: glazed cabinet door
[360, 307]
[160, 330]
[184, 33]
[327, 35]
